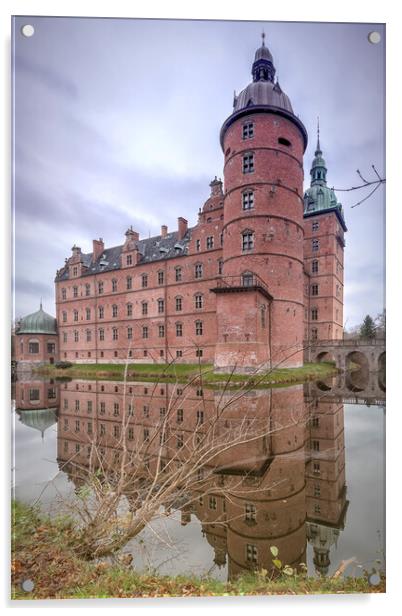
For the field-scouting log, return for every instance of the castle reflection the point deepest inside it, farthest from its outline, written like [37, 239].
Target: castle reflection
[283, 486]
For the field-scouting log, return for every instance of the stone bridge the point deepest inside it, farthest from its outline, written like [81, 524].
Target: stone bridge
[368, 354]
[356, 387]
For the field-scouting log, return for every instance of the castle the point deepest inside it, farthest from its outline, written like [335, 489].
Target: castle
[258, 277]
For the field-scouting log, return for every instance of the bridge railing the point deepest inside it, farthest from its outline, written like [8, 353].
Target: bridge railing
[346, 342]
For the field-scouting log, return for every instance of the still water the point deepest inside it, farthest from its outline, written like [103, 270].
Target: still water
[311, 482]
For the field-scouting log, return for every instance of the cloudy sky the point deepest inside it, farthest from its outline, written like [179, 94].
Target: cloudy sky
[117, 123]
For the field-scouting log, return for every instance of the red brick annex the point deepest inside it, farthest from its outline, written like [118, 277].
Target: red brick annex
[258, 277]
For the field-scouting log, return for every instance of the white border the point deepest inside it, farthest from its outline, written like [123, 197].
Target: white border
[292, 10]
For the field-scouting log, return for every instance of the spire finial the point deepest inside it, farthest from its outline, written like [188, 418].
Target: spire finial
[40, 304]
[263, 38]
[318, 134]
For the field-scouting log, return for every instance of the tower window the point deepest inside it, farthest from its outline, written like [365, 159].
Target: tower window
[314, 334]
[314, 314]
[198, 300]
[220, 266]
[144, 281]
[314, 289]
[178, 274]
[248, 130]
[129, 283]
[283, 141]
[250, 512]
[315, 245]
[179, 304]
[114, 285]
[315, 225]
[247, 240]
[161, 306]
[179, 329]
[248, 163]
[210, 241]
[251, 553]
[248, 200]
[198, 270]
[199, 329]
[314, 266]
[247, 279]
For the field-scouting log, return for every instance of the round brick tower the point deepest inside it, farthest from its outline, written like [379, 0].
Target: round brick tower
[260, 295]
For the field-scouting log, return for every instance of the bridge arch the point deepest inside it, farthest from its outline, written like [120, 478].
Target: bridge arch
[357, 357]
[325, 356]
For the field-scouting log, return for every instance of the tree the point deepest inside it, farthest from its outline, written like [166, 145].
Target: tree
[368, 329]
[380, 324]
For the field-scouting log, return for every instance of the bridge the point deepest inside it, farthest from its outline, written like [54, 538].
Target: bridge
[356, 387]
[369, 354]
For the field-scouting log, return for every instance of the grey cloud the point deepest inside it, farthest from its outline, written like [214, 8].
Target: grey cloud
[46, 76]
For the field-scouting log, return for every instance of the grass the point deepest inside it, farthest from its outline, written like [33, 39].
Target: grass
[42, 552]
[183, 373]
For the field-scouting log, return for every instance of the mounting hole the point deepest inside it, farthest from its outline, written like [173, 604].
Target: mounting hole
[374, 579]
[28, 585]
[374, 37]
[28, 30]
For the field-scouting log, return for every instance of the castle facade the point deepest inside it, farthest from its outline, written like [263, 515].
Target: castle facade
[258, 277]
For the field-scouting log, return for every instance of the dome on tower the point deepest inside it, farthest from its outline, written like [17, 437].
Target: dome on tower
[263, 93]
[263, 53]
[38, 322]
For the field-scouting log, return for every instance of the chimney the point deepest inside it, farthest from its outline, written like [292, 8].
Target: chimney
[164, 230]
[182, 225]
[97, 249]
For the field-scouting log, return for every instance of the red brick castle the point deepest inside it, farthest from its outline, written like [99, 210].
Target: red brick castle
[258, 276]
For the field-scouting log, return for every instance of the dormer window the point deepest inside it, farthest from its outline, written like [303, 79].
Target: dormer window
[129, 260]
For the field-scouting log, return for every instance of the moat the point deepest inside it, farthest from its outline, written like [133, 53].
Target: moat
[306, 475]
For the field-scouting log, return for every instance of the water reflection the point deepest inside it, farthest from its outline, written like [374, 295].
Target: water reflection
[283, 485]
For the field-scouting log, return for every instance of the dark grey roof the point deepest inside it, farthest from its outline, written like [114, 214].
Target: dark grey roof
[262, 93]
[152, 249]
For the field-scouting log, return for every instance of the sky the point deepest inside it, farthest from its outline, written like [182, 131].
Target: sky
[116, 123]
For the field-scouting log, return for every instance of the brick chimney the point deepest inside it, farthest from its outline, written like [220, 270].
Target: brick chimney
[97, 249]
[164, 230]
[182, 226]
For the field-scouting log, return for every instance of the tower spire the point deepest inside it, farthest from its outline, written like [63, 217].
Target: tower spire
[318, 149]
[263, 38]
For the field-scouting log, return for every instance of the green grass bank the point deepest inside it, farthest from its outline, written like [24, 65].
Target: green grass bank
[42, 551]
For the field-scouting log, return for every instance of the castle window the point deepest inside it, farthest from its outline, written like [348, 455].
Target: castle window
[75, 291]
[75, 271]
[102, 409]
[179, 329]
[314, 334]
[220, 266]
[314, 266]
[317, 508]
[247, 240]
[33, 348]
[178, 272]
[250, 512]
[284, 141]
[179, 304]
[100, 287]
[198, 300]
[247, 279]
[199, 328]
[64, 316]
[179, 441]
[144, 308]
[76, 337]
[251, 553]
[179, 416]
[221, 238]
[198, 245]
[101, 312]
[263, 311]
[248, 130]
[316, 468]
[314, 289]
[87, 290]
[314, 314]
[129, 333]
[315, 245]
[199, 353]
[88, 314]
[212, 503]
[161, 331]
[161, 277]
[63, 294]
[161, 306]
[88, 335]
[114, 310]
[248, 200]
[315, 421]
[144, 281]
[129, 310]
[316, 445]
[115, 333]
[75, 315]
[101, 334]
[129, 283]
[210, 241]
[200, 417]
[179, 353]
[198, 270]
[116, 431]
[64, 336]
[315, 225]
[129, 259]
[130, 434]
[145, 332]
[248, 163]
